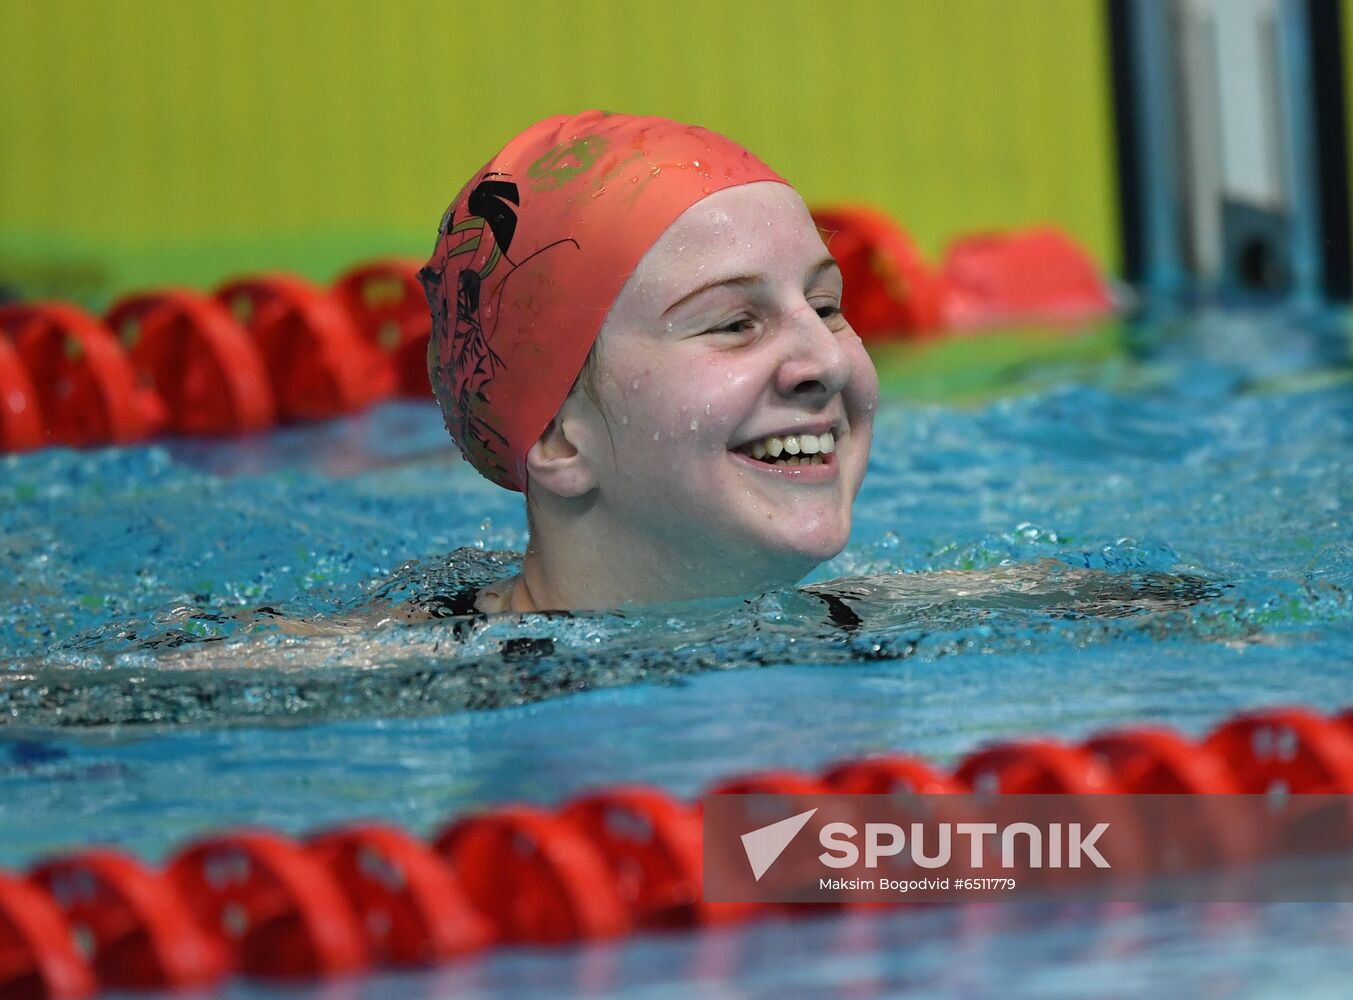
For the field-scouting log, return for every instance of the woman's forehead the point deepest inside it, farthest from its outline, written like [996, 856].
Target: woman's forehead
[746, 230]
[761, 232]
[730, 214]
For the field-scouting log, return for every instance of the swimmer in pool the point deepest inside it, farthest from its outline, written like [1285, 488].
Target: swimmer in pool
[637, 325]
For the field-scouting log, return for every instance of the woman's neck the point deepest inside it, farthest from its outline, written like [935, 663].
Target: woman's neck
[585, 570]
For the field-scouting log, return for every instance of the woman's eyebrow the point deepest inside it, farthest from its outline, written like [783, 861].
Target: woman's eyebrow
[825, 264]
[740, 280]
[743, 280]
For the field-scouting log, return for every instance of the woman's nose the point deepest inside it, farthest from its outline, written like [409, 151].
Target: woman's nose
[815, 362]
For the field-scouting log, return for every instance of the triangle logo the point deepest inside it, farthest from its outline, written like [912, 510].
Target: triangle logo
[766, 844]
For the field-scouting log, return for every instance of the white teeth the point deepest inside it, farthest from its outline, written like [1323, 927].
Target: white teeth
[793, 449]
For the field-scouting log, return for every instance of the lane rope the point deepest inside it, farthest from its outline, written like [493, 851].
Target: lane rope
[603, 864]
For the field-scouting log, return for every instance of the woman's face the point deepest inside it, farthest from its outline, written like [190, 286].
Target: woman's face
[737, 403]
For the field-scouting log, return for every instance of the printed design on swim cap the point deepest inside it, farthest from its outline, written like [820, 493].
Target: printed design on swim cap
[461, 358]
[566, 161]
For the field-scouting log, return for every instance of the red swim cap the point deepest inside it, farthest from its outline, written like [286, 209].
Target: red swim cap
[532, 253]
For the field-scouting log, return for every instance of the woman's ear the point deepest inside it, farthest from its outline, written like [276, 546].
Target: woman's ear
[556, 465]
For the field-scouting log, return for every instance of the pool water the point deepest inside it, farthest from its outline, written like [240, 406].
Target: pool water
[203, 635]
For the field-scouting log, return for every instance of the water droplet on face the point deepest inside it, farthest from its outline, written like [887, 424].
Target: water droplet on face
[707, 407]
[656, 435]
[695, 425]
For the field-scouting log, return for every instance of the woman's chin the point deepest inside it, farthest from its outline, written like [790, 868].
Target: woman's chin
[802, 554]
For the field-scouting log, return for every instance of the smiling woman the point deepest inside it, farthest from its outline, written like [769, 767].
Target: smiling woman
[716, 439]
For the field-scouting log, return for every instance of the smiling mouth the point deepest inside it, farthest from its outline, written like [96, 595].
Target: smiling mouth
[792, 450]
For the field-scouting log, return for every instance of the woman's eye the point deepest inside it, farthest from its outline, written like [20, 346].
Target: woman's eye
[743, 325]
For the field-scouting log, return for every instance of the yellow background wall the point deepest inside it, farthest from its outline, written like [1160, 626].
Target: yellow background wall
[153, 141]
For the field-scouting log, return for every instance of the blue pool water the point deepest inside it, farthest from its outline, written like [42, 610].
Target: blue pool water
[200, 635]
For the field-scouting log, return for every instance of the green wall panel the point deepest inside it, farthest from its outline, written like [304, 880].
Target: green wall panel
[152, 141]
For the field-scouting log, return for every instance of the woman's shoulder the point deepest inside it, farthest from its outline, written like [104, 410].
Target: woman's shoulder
[1046, 585]
[450, 586]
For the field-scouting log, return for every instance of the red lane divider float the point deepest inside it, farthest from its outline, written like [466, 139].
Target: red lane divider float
[602, 864]
[38, 954]
[274, 905]
[86, 387]
[652, 846]
[1292, 749]
[140, 930]
[535, 875]
[204, 365]
[386, 302]
[409, 905]
[319, 364]
[1026, 276]
[20, 418]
